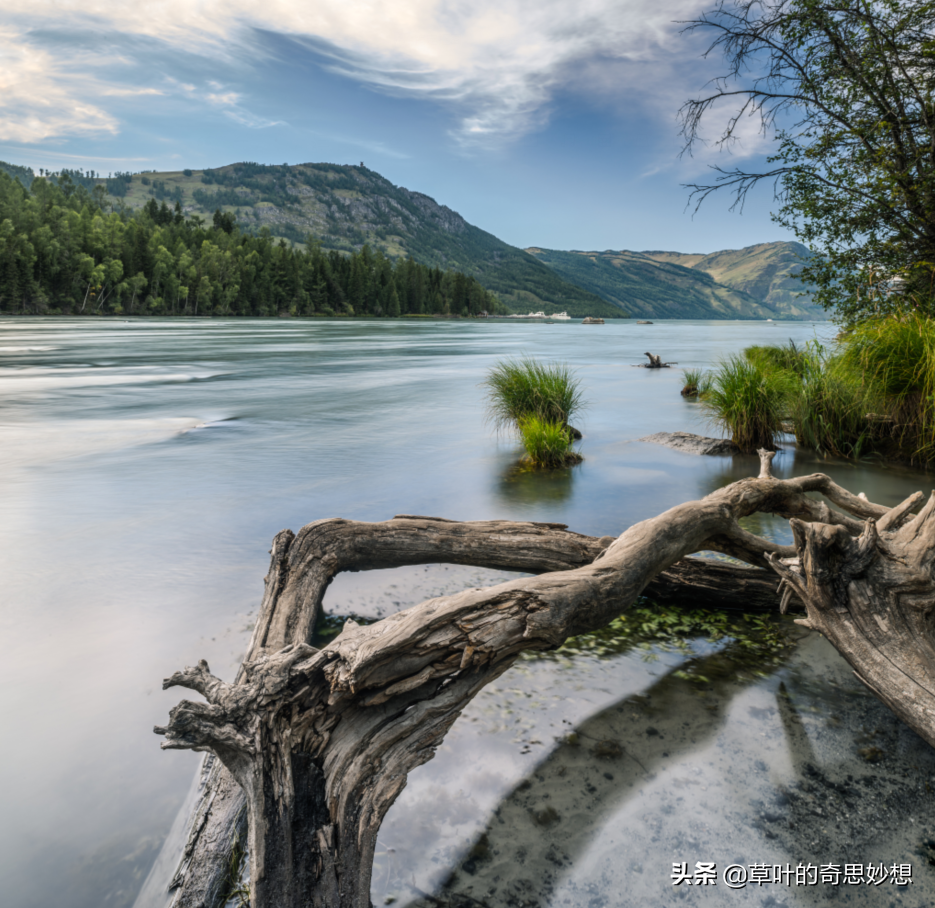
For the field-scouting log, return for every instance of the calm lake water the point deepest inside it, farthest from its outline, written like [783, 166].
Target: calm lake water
[146, 466]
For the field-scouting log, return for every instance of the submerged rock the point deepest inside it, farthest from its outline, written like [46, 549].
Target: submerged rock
[693, 444]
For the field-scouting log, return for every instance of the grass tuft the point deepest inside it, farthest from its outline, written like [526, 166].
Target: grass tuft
[526, 387]
[537, 400]
[696, 383]
[872, 393]
[748, 402]
[547, 444]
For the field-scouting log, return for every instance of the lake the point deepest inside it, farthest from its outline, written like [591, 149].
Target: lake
[146, 465]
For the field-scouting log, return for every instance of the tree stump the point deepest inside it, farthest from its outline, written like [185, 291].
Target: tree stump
[655, 362]
[321, 741]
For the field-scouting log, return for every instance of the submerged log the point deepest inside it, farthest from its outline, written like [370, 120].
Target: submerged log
[321, 741]
[655, 362]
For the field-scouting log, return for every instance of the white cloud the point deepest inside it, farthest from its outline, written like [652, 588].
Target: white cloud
[229, 102]
[41, 97]
[495, 63]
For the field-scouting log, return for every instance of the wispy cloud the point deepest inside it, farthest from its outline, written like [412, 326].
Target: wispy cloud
[229, 102]
[41, 96]
[496, 64]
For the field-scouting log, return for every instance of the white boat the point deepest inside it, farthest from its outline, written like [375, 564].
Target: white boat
[559, 316]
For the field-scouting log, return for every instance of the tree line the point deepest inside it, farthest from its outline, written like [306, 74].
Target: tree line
[64, 249]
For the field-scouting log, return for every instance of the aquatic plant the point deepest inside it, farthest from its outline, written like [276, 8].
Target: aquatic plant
[547, 444]
[526, 387]
[832, 410]
[755, 644]
[696, 382]
[748, 402]
[870, 393]
[895, 358]
[779, 357]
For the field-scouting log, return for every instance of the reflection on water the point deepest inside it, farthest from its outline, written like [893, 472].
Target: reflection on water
[521, 484]
[732, 770]
[147, 464]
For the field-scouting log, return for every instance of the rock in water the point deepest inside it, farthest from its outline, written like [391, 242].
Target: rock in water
[693, 444]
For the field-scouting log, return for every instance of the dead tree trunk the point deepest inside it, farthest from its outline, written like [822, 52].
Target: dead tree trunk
[302, 567]
[322, 742]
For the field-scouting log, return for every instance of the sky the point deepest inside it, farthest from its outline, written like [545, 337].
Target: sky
[546, 122]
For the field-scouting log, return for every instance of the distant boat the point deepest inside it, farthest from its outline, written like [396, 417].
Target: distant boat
[558, 316]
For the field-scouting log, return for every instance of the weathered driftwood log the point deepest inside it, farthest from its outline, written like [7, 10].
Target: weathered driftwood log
[303, 566]
[322, 741]
[655, 362]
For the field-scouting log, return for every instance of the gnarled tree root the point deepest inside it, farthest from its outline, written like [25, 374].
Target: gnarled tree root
[322, 741]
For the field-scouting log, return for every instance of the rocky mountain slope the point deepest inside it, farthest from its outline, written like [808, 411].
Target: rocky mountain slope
[344, 207]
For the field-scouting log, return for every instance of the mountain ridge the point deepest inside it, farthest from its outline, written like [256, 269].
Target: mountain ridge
[345, 207]
[755, 282]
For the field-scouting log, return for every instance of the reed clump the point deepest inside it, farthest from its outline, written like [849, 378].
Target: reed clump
[871, 393]
[748, 401]
[547, 444]
[536, 400]
[696, 383]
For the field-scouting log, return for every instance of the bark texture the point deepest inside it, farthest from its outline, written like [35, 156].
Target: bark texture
[321, 741]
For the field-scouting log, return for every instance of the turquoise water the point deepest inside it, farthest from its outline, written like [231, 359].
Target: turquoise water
[145, 467]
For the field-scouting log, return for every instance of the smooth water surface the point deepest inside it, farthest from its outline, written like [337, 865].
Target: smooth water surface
[146, 465]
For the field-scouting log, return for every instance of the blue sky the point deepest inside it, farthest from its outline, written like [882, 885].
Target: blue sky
[545, 122]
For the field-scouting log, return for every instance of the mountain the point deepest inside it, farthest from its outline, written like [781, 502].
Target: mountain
[757, 282]
[766, 271]
[344, 207]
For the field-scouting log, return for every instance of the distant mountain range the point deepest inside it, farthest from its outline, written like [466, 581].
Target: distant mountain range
[756, 282]
[344, 207]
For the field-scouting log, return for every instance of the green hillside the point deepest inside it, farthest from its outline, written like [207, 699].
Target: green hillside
[757, 285]
[346, 207]
[651, 289]
[767, 271]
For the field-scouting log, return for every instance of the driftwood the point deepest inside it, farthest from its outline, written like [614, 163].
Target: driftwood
[655, 362]
[321, 741]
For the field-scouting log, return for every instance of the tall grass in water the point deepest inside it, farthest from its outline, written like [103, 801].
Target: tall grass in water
[547, 444]
[696, 383]
[748, 401]
[831, 407]
[871, 393]
[896, 357]
[526, 387]
[537, 400]
[779, 358]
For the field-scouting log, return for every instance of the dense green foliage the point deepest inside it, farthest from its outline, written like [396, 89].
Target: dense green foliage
[695, 383]
[527, 387]
[547, 444]
[748, 402]
[23, 174]
[537, 400]
[849, 90]
[63, 251]
[870, 394]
